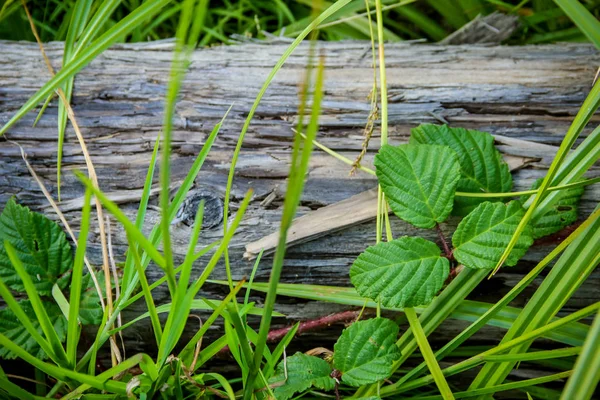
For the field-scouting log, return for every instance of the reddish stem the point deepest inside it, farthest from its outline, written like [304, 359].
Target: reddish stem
[312, 325]
[447, 249]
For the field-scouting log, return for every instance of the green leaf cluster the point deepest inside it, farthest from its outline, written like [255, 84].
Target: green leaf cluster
[420, 181]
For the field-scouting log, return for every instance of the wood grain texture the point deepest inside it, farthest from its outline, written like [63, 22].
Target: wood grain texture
[526, 95]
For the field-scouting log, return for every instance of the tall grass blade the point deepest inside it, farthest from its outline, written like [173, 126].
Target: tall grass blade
[73, 329]
[301, 155]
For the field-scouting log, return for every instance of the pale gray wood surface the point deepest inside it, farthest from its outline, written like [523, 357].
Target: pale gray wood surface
[530, 93]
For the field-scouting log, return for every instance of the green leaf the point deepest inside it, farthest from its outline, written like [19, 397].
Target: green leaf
[41, 245]
[90, 310]
[482, 236]
[303, 372]
[418, 181]
[482, 169]
[13, 329]
[365, 351]
[562, 213]
[405, 272]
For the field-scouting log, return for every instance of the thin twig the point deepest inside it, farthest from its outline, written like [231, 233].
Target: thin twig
[115, 354]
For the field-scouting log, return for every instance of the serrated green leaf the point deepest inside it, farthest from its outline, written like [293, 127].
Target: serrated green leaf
[41, 245]
[303, 372]
[562, 214]
[406, 272]
[419, 181]
[482, 168]
[365, 351]
[13, 329]
[482, 236]
[90, 310]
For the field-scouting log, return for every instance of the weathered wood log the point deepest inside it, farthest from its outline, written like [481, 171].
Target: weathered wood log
[527, 93]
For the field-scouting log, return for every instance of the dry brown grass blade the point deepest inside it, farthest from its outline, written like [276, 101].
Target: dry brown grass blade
[115, 353]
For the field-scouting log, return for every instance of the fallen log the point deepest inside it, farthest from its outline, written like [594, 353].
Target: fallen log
[526, 96]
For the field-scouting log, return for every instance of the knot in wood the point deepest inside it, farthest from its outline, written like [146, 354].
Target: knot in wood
[213, 209]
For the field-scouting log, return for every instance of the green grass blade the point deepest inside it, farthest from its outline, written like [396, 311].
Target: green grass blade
[526, 383]
[77, 23]
[167, 347]
[15, 391]
[338, 5]
[38, 305]
[120, 29]
[182, 302]
[583, 18]
[76, 277]
[586, 373]
[178, 68]
[156, 234]
[98, 20]
[269, 368]
[129, 270]
[299, 166]
[146, 292]
[535, 355]
[428, 355]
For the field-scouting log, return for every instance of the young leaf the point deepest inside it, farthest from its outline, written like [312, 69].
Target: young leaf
[563, 213]
[13, 329]
[418, 181]
[303, 372]
[365, 351]
[482, 169]
[41, 245]
[405, 272]
[482, 236]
